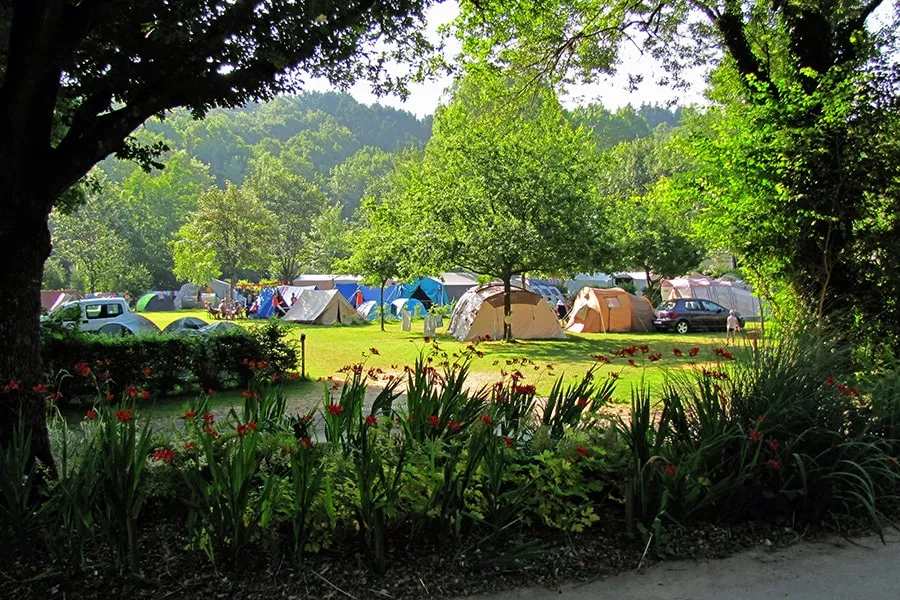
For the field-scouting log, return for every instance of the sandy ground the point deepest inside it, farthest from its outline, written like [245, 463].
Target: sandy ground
[833, 568]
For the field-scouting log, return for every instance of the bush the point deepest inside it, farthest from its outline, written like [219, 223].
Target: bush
[159, 364]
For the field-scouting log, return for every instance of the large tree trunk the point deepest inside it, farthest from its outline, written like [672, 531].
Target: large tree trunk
[24, 246]
[507, 309]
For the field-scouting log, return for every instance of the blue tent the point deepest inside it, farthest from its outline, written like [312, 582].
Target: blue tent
[415, 307]
[426, 290]
[369, 310]
[264, 304]
[349, 290]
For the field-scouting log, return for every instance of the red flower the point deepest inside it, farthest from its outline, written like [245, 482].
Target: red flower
[56, 395]
[755, 436]
[761, 419]
[854, 392]
[166, 455]
[693, 351]
[110, 396]
[190, 414]
[434, 421]
[148, 371]
[671, 470]
[582, 451]
[83, 369]
[335, 409]
[727, 356]
[242, 429]
[294, 375]
[427, 339]
[773, 444]
[211, 392]
[251, 425]
[654, 357]
[372, 421]
[285, 449]
[190, 446]
[145, 394]
[247, 394]
[774, 464]
[13, 385]
[508, 441]
[39, 388]
[602, 359]
[132, 392]
[677, 352]
[582, 402]
[719, 351]
[645, 349]
[123, 416]
[209, 418]
[212, 432]
[844, 389]
[830, 381]
[614, 374]
[91, 415]
[374, 351]
[454, 425]
[487, 420]
[631, 362]
[307, 442]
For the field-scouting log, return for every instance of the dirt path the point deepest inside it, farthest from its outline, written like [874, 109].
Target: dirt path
[833, 568]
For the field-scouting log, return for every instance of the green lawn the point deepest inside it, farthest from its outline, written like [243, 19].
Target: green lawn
[329, 348]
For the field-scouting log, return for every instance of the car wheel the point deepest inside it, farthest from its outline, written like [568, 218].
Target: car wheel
[682, 326]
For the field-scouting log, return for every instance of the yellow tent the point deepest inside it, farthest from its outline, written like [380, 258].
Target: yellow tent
[613, 309]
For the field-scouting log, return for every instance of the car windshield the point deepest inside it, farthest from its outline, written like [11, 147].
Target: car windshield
[666, 306]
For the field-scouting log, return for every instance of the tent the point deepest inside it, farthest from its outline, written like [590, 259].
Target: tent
[732, 294]
[369, 310]
[611, 309]
[289, 291]
[155, 301]
[327, 282]
[187, 296]
[545, 289]
[354, 292]
[185, 324]
[53, 299]
[441, 289]
[221, 290]
[322, 307]
[479, 313]
[415, 307]
[264, 306]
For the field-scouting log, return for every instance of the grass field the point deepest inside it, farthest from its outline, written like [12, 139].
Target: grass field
[328, 348]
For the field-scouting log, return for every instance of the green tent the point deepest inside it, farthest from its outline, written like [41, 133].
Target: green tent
[155, 301]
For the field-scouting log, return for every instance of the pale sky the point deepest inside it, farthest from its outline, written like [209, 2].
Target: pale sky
[613, 93]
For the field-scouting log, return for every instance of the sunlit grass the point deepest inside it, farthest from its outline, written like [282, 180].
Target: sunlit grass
[328, 348]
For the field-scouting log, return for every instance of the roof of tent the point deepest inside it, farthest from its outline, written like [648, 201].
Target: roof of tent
[155, 301]
[369, 310]
[287, 291]
[322, 307]
[732, 294]
[609, 310]
[479, 313]
[415, 307]
[220, 288]
[54, 298]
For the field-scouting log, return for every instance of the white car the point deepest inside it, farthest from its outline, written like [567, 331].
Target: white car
[107, 314]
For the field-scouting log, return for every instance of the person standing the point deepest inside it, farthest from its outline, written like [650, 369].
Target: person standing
[731, 326]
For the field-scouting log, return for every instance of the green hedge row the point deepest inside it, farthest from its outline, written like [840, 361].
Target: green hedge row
[78, 364]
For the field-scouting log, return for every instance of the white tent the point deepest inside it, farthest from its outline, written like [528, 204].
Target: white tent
[289, 291]
[479, 313]
[732, 294]
[322, 307]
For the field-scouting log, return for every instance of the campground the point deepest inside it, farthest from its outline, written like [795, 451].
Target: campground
[328, 348]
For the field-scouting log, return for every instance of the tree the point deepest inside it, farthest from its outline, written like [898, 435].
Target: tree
[355, 178]
[229, 231]
[379, 243]
[76, 78]
[325, 243]
[812, 94]
[505, 186]
[295, 202]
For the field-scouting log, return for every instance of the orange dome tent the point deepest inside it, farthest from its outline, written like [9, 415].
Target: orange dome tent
[599, 310]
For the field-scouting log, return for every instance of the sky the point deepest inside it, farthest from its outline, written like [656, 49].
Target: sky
[611, 93]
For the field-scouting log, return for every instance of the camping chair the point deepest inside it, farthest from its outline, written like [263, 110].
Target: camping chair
[213, 312]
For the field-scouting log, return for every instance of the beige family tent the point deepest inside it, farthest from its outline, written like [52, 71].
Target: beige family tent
[479, 313]
[322, 307]
[601, 310]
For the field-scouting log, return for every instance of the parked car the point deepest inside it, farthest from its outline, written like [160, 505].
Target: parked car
[105, 315]
[692, 314]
